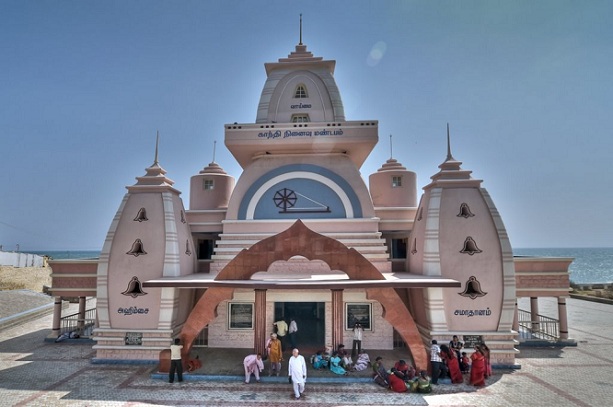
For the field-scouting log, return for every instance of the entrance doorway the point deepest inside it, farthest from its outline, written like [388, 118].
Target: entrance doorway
[310, 318]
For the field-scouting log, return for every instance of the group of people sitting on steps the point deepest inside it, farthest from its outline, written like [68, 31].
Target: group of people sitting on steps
[340, 361]
[401, 378]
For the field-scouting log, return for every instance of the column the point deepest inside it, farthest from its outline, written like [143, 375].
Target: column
[81, 316]
[337, 318]
[563, 318]
[515, 326]
[534, 313]
[57, 317]
[259, 336]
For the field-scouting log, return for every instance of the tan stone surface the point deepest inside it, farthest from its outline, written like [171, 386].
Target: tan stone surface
[29, 278]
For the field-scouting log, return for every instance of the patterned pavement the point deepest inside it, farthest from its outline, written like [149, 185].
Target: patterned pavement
[38, 373]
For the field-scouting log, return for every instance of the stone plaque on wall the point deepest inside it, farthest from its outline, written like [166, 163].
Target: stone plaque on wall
[134, 338]
[471, 340]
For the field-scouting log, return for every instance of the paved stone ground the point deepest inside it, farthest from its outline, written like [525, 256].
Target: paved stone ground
[38, 373]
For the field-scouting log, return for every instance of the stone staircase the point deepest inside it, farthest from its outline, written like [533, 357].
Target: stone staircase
[369, 244]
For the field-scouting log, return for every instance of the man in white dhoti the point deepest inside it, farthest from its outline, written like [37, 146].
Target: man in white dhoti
[297, 372]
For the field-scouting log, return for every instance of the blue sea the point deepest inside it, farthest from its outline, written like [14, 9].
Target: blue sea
[591, 265]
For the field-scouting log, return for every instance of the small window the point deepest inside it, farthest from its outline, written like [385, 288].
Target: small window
[205, 249]
[208, 184]
[301, 92]
[396, 182]
[399, 249]
[300, 118]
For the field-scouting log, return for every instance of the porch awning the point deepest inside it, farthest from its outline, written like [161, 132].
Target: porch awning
[392, 280]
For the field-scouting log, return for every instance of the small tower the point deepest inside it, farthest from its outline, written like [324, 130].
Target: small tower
[393, 186]
[149, 238]
[459, 234]
[211, 188]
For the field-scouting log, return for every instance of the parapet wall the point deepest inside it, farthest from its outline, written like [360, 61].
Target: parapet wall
[17, 259]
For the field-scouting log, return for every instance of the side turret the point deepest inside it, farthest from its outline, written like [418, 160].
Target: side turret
[149, 238]
[459, 234]
[393, 186]
[211, 188]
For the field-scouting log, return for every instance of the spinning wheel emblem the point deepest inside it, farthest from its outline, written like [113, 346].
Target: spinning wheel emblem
[285, 198]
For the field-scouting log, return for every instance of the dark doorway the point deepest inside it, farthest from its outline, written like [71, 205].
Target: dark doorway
[310, 318]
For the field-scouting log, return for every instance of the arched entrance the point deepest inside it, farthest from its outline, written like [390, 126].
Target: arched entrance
[302, 241]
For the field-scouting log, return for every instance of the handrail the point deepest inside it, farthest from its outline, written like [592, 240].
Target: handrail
[544, 328]
[82, 326]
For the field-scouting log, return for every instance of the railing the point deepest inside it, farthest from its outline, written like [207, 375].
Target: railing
[543, 327]
[83, 326]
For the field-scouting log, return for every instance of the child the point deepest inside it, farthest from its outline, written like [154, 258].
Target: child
[465, 363]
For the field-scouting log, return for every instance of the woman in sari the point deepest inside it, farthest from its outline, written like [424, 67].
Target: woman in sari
[362, 363]
[477, 367]
[449, 357]
[318, 361]
[335, 366]
[381, 374]
[488, 365]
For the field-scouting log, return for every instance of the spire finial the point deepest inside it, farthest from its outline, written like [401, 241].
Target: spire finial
[449, 156]
[391, 148]
[300, 43]
[214, 148]
[157, 142]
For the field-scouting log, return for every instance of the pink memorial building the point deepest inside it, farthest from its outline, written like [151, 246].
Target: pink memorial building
[300, 234]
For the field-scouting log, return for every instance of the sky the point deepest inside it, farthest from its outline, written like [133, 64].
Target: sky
[85, 85]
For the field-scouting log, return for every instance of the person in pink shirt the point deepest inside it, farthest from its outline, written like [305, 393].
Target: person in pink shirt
[253, 365]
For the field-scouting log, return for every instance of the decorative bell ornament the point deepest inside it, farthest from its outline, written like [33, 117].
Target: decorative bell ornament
[470, 247]
[472, 289]
[135, 288]
[137, 248]
[141, 216]
[465, 211]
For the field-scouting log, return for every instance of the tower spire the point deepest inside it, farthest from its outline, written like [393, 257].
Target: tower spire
[391, 148]
[449, 156]
[157, 142]
[214, 148]
[300, 43]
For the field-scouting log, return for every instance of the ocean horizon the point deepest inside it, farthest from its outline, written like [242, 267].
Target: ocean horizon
[590, 264]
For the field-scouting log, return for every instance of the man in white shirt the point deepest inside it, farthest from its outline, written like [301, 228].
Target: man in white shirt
[356, 348]
[297, 372]
[281, 326]
[293, 328]
[438, 366]
[176, 364]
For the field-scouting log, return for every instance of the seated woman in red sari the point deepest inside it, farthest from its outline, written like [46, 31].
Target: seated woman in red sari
[477, 367]
[396, 381]
[449, 357]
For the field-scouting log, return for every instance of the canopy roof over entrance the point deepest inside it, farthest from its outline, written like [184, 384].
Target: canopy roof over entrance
[392, 280]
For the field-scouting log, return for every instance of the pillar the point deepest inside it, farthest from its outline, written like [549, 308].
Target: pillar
[337, 318]
[534, 313]
[259, 337]
[57, 317]
[515, 326]
[563, 318]
[81, 316]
